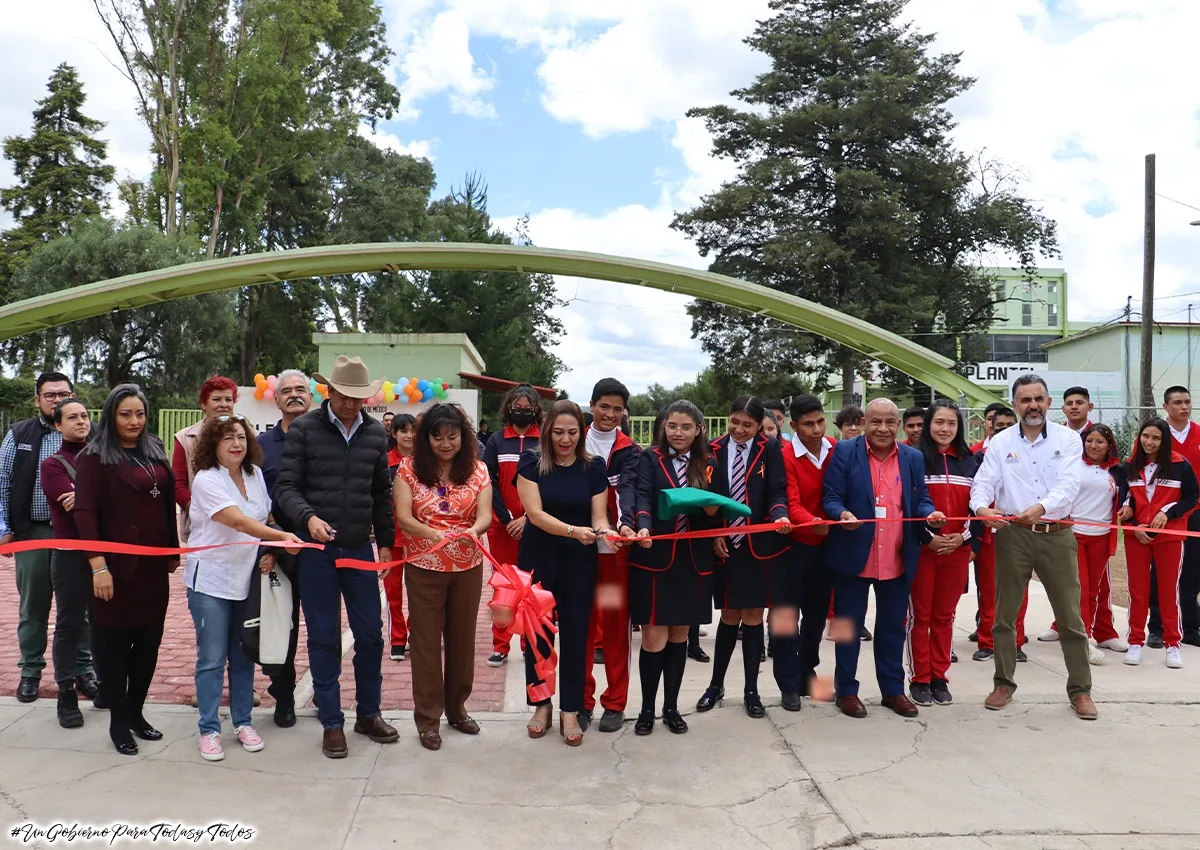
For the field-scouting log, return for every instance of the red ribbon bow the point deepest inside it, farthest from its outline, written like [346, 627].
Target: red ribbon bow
[533, 617]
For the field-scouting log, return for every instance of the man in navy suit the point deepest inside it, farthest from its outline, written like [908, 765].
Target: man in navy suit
[874, 477]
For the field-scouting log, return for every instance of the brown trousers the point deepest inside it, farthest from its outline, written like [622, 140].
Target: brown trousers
[442, 607]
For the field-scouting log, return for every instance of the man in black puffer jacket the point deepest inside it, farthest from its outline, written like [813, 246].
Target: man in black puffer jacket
[333, 486]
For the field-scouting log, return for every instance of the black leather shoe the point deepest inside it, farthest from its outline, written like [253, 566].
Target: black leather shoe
[973, 637]
[125, 745]
[953, 657]
[754, 706]
[612, 720]
[145, 731]
[709, 700]
[585, 720]
[27, 689]
[865, 634]
[87, 686]
[99, 702]
[697, 653]
[285, 715]
[69, 715]
[1154, 641]
[791, 702]
[644, 724]
[674, 721]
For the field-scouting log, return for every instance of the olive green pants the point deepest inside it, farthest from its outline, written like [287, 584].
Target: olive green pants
[1019, 552]
[35, 587]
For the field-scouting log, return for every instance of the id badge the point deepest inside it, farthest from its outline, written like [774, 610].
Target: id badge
[881, 512]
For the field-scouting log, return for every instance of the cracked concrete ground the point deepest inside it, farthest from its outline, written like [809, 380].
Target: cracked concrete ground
[956, 778]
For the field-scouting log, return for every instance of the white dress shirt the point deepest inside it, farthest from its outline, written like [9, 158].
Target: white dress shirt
[601, 443]
[802, 451]
[1181, 436]
[1017, 473]
[733, 450]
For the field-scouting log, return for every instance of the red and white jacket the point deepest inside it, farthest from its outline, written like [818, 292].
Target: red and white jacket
[500, 455]
[948, 480]
[1173, 491]
[805, 484]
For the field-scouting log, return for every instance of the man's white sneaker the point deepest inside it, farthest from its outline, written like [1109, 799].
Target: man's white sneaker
[1095, 656]
[1048, 635]
[1133, 655]
[1174, 659]
[1115, 644]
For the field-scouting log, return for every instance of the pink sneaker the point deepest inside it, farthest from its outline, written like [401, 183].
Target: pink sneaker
[210, 747]
[251, 743]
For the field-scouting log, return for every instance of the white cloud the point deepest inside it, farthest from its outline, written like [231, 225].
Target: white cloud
[439, 59]
[419, 148]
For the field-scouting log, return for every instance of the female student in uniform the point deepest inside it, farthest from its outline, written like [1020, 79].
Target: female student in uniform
[403, 434]
[670, 581]
[946, 556]
[1102, 490]
[521, 416]
[1162, 492]
[565, 493]
[748, 468]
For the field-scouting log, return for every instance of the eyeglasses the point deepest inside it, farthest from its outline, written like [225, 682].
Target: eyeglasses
[672, 428]
[236, 416]
[57, 396]
[444, 504]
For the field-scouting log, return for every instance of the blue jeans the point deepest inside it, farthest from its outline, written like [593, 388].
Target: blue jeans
[218, 639]
[322, 586]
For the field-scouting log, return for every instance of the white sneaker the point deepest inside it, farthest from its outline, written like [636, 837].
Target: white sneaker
[1048, 636]
[1133, 655]
[1115, 644]
[1174, 659]
[1095, 656]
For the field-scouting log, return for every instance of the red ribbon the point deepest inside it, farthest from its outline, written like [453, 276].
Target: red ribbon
[533, 618]
[104, 547]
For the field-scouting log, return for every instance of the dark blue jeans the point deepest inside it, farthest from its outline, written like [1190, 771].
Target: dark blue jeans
[322, 586]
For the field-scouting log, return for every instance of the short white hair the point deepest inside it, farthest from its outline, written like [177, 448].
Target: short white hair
[292, 373]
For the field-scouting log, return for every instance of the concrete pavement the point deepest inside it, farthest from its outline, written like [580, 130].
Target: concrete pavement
[956, 778]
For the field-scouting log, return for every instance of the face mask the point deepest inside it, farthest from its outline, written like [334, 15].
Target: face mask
[522, 418]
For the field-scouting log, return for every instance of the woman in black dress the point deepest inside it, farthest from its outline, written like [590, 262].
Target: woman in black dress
[670, 581]
[748, 469]
[124, 494]
[565, 494]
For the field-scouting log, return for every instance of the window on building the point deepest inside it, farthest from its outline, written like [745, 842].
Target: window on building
[1000, 292]
[1026, 314]
[1052, 289]
[1018, 348]
[1052, 315]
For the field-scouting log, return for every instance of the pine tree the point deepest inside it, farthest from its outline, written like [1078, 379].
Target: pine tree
[851, 193]
[60, 168]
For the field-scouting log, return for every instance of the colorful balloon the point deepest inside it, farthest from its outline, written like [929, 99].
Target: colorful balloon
[260, 391]
[428, 395]
[269, 394]
[259, 379]
[271, 379]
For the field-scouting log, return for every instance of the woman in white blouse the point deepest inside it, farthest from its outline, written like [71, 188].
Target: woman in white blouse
[229, 505]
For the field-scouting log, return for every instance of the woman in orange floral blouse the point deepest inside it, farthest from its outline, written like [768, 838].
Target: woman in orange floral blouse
[443, 490]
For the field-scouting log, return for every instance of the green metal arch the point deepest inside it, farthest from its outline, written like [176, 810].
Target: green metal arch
[139, 290]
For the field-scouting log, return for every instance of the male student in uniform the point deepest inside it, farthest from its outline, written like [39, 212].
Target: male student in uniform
[989, 426]
[610, 612]
[914, 421]
[1077, 404]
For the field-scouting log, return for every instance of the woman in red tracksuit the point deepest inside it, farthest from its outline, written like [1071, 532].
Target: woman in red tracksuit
[1162, 492]
[1102, 490]
[946, 555]
[404, 429]
[521, 414]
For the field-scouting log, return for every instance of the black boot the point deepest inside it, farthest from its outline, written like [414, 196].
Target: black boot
[69, 715]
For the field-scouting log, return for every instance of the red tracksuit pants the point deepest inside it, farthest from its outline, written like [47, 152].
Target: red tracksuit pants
[932, 602]
[985, 583]
[393, 588]
[504, 548]
[1095, 593]
[609, 628]
[1167, 556]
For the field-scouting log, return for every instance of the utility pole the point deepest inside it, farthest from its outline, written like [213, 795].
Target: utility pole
[1125, 359]
[1147, 340]
[1189, 346]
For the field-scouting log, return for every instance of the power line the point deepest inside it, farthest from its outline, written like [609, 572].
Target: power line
[1181, 203]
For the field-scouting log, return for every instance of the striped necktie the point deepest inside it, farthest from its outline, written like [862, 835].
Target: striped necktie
[681, 466]
[737, 490]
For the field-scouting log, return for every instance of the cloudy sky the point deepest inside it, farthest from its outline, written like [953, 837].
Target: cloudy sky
[573, 111]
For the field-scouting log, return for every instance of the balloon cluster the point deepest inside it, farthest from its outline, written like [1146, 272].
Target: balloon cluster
[415, 390]
[264, 387]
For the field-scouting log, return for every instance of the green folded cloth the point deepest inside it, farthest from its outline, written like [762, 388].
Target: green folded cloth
[692, 500]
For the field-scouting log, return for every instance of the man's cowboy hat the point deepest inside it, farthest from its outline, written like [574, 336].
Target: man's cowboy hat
[350, 378]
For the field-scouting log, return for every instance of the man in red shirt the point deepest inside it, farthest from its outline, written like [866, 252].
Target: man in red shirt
[1077, 404]
[1185, 440]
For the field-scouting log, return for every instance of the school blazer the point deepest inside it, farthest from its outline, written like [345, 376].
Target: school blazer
[766, 490]
[654, 476]
[848, 487]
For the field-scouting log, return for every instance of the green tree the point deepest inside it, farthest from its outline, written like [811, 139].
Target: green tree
[61, 174]
[168, 347]
[851, 194]
[507, 315]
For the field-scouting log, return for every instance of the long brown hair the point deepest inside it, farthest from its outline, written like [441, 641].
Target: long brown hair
[698, 460]
[546, 442]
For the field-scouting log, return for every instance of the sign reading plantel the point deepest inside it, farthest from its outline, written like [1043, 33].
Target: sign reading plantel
[998, 373]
